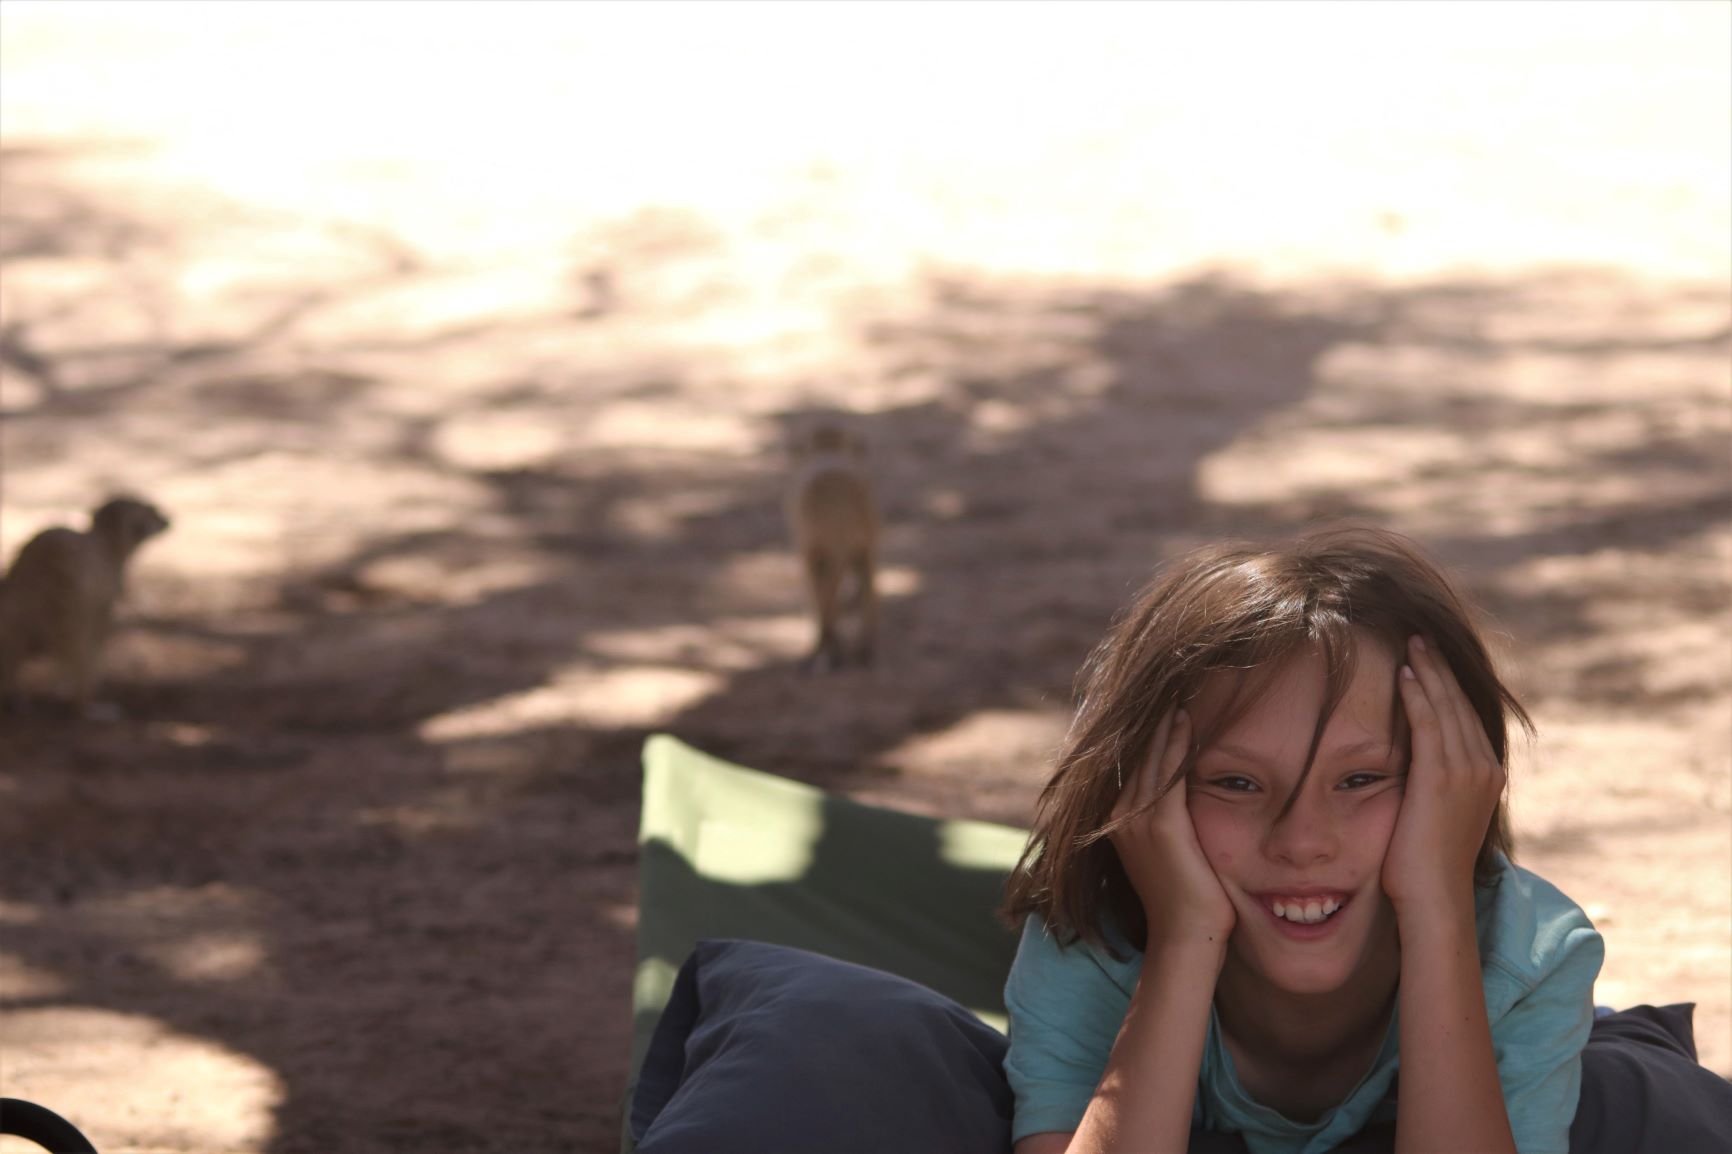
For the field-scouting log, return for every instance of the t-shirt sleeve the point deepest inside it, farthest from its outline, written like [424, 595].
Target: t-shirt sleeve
[1539, 1040]
[1065, 1011]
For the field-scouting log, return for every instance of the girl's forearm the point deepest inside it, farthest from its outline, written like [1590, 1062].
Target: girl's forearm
[1451, 1100]
[1146, 1094]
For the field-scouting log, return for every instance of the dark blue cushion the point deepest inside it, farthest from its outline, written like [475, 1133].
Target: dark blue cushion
[1643, 1091]
[771, 1050]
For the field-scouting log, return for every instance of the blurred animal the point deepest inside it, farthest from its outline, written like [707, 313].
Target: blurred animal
[58, 599]
[834, 520]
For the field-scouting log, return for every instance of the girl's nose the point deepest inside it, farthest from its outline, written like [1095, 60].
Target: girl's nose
[1305, 835]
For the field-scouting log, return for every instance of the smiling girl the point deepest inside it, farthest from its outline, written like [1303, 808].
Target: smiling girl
[1271, 871]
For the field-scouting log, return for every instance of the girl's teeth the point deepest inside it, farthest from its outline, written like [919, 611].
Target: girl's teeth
[1308, 913]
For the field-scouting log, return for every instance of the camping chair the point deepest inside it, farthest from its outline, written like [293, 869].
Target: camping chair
[729, 852]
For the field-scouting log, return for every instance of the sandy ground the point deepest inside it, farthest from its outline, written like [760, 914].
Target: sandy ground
[461, 348]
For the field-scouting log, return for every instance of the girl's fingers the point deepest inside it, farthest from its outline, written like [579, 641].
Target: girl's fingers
[1434, 677]
[1471, 742]
[1173, 799]
[1421, 719]
[1165, 757]
[1177, 746]
[1149, 782]
[1138, 788]
[1468, 724]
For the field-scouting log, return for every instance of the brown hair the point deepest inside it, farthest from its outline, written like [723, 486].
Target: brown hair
[1242, 610]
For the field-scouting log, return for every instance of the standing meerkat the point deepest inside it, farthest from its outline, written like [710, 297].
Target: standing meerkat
[834, 520]
[58, 598]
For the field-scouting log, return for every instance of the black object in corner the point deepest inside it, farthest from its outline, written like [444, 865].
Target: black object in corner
[42, 1126]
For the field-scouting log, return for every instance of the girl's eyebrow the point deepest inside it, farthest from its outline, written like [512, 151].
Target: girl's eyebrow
[1366, 748]
[1237, 752]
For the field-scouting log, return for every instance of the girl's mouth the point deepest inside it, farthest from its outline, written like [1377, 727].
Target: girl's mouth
[1305, 918]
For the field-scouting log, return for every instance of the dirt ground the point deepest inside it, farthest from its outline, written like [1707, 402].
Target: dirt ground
[461, 348]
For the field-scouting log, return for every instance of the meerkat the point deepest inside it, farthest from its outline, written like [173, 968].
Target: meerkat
[834, 520]
[58, 599]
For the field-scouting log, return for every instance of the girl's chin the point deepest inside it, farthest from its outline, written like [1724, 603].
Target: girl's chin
[1277, 965]
[1309, 980]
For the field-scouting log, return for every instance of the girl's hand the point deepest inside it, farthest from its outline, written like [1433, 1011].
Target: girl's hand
[1454, 780]
[1182, 897]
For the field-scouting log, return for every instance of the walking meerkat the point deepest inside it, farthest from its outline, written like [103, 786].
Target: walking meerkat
[834, 520]
[58, 599]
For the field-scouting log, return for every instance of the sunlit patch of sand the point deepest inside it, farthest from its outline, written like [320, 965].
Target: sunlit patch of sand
[206, 934]
[770, 578]
[731, 644]
[1642, 848]
[134, 655]
[1279, 463]
[1660, 645]
[433, 306]
[1353, 375]
[1448, 440]
[994, 426]
[1417, 186]
[223, 956]
[299, 511]
[993, 742]
[129, 1081]
[19, 393]
[773, 579]
[668, 425]
[18, 913]
[503, 440]
[664, 517]
[454, 581]
[633, 696]
[21, 982]
[780, 633]
[898, 581]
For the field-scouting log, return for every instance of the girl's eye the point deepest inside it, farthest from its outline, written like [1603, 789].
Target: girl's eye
[1233, 783]
[1360, 780]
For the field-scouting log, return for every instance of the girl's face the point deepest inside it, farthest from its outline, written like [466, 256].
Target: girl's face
[1312, 915]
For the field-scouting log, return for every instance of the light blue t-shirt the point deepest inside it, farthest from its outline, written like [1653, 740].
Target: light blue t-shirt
[1539, 956]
